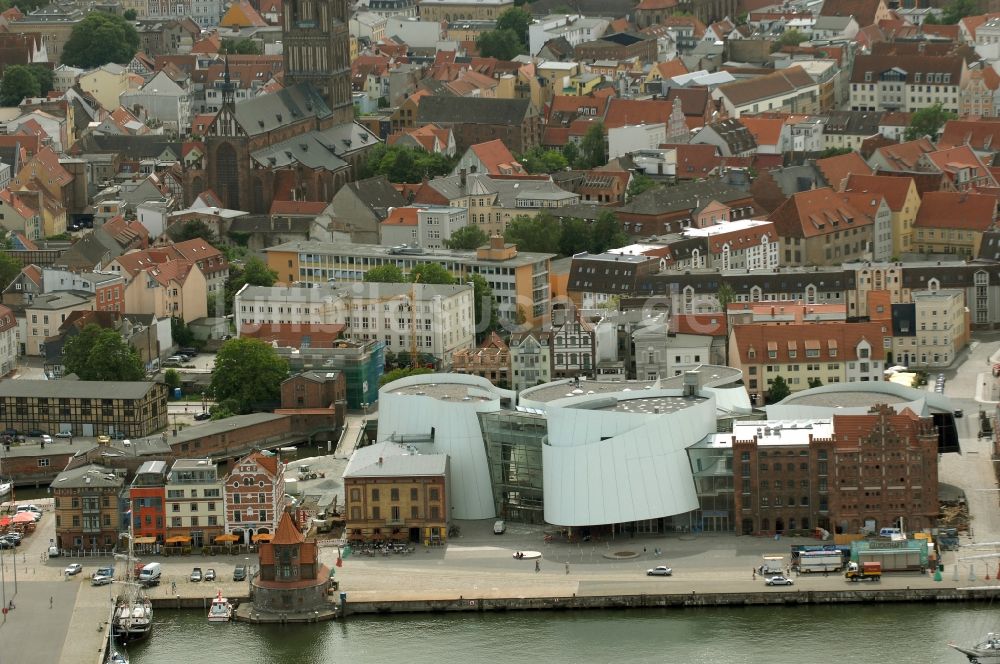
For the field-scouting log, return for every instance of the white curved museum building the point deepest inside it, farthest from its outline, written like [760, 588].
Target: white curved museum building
[568, 453]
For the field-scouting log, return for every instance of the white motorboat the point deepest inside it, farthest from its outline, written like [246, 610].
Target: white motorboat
[221, 609]
[988, 650]
[5, 488]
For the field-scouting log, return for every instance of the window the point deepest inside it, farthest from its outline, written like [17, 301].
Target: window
[375, 495]
[434, 493]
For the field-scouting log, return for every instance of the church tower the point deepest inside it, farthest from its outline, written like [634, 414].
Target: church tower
[317, 51]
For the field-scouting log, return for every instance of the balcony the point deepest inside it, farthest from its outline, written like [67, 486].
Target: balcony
[395, 522]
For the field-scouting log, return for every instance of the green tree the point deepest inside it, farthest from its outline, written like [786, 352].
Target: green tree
[927, 122]
[386, 274]
[10, 267]
[515, 19]
[814, 382]
[44, 77]
[792, 38]
[593, 151]
[577, 236]
[539, 233]
[608, 233]
[413, 164]
[242, 47]
[396, 374]
[725, 295]
[172, 379]
[249, 372]
[485, 307]
[99, 353]
[959, 9]
[257, 273]
[100, 38]
[540, 160]
[130, 14]
[571, 152]
[431, 273]
[778, 390]
[190, 230]
[639, 183]
[500, 44]
[18, 82]
[180, 332]
[467, 238]
[834, 152]
[221, 411]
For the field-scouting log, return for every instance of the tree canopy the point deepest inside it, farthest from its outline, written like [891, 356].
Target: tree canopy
[608, 233]
[485, 309]
[576, 236]
[539, 233]
[406, 164]
[254, 272]
[779, 390]
[431, 273]
[10, 267]
[515, 19]
[467, 238]
[954, 12]
[792, 38]
[593, 151]
[386, 274]
[639, 184]
[191, 229]
[241, 47]
[247, 374]
[100, 38]
[100, 353]
[18, 82]
[544, 233]
[540, 160]
[500, 44]
[927, 122]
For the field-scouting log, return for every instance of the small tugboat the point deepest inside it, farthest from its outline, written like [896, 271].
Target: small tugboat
[221, 610]
[987, 650]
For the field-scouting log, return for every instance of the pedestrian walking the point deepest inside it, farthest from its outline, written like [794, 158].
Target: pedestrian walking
[173, 587]
[754, 575]
[538, 567]
[567, 568]
[50, 601]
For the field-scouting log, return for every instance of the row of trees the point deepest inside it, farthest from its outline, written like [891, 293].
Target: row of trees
[100, 38]
[572, 235]
[590, 153]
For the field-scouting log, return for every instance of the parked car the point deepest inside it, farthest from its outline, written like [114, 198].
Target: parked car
[499, 527]
[662, 570]
[100, 580]
[14, 537]
[36, 432]
[46, 438]
[196, 574]
[210, 574]
[104, 440]
[240, 573]
[203, 415]
[10, 432]
[64, 434]
[73, 569]
[778, 581]
[6, 543]
[959, 412]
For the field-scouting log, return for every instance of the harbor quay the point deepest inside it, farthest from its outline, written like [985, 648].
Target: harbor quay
[476, 571]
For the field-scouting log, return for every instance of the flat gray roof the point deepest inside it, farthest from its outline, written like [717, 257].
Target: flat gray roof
[79, 389]
[90, 475]
[221, 426]
[845, 399]
[379, 251]
[443, 391]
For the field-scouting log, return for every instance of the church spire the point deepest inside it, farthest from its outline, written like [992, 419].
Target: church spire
[227, 88]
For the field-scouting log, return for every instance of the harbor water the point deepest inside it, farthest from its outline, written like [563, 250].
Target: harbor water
[847, 634]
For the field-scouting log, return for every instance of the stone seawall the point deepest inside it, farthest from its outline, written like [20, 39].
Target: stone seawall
[694, 599]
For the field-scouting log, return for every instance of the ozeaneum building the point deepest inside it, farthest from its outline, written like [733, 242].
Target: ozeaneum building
[582, 454]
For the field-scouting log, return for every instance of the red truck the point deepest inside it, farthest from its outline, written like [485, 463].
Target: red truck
[870, 571]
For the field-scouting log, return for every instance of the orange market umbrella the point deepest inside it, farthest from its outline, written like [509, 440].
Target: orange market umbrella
[24, 517]
[227, 538]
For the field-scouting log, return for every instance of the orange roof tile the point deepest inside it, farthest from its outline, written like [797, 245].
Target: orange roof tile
[496, 158]
[287, 532]
[955, 210]
[894, 189]
[402, 216]
[841, 338]
[767, 131]
[242, 14]
[905, 156]
[623, 112]
[837, 169]
[816, 212]
[298, 207]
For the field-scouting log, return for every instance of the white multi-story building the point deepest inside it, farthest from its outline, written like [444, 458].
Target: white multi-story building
[194, 502]
[744, 244]
[443, 319]
[907, 82]
[530, 360]
[575, 28]
[9, 347]
[427, 226]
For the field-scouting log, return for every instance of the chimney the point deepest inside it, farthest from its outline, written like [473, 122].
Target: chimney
[496, 241]
[461, 178]
[380, 461]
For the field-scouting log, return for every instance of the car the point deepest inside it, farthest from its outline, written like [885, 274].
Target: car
[188, 350]
[499, 527]
[9, 432]
[13, 537]
[240, 573]
[170, 364]
[6, 543]
[36, 432]
[210, 574]
[46, 438]
[101, 579]
[31, 507]
[195, 574]
[104, 440]
[203, 415]
[73, 569]
[661, 570]
[959, 412]
[177, 358]
[64, 434]
[778, 581]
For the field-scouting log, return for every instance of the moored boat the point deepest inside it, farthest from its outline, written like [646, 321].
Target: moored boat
[988, 650]
[221, 609]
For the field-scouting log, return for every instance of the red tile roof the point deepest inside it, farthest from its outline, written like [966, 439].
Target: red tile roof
[959, 211]
[623, 112]
[816, 212]
[837, 169]
[287, 532]
[305, 208]
[766, 131]
[904, 156]
[496, 158]
[895, 190]
[401, 216]
[835, 342]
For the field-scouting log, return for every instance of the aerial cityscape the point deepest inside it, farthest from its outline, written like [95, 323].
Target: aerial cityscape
[410, 329]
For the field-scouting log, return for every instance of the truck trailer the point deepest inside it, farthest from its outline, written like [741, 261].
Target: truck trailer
[820, 561]
[867, 571]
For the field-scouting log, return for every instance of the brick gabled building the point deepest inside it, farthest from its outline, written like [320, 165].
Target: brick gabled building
[953, 223]
[818, 227]
[838, 473]
[254, 493]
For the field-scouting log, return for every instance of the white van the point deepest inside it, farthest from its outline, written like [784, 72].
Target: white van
[150, 574]
[53, 552]
[891, 533]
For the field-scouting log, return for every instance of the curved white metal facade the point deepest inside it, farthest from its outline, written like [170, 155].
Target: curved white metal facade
[456, 432]
[640, 470]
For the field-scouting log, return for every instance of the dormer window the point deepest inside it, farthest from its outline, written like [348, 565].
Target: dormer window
[916, 77]
[868, 77]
